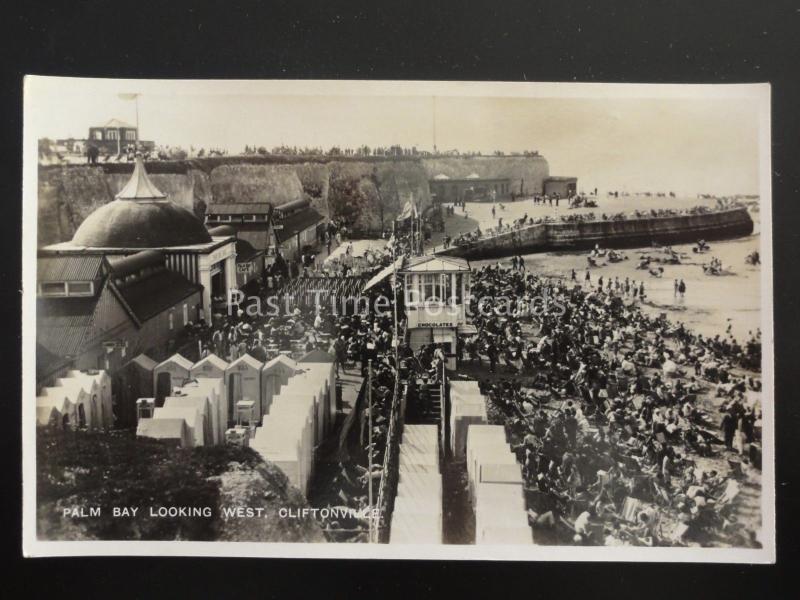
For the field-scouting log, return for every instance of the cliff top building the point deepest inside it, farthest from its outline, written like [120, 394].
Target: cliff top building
[140, 218]
[115, 135]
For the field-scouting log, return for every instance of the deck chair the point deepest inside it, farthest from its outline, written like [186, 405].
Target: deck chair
[630, 508]
[730, 492]
[675, 536]
[736, 468]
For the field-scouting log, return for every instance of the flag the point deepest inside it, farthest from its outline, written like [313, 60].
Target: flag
[409, 210]
[128, 96]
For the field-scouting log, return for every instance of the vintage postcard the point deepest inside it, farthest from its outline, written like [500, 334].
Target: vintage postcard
[503, 321]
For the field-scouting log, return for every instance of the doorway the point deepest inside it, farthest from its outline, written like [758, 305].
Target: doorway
[163, 388]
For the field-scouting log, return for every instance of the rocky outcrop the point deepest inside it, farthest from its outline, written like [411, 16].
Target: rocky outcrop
[366, 193]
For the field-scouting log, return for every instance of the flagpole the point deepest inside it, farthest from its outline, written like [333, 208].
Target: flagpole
[369, 446]
[138, 132]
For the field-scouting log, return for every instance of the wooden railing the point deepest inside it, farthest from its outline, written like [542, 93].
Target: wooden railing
[388, 484]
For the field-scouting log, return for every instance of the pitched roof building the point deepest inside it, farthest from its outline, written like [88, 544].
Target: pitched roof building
[140, 218]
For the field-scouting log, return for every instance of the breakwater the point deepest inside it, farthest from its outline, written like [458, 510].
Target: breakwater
[630, 233]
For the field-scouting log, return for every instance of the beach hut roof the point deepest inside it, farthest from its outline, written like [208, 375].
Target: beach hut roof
[179, 360]
[248, 360]
[281, 359]
[212, 359]
[144, 361]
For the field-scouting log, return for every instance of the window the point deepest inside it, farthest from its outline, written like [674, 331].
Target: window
[80, 288]
[97, 134]
[412, 289]
[130, 135]
[432, 287]
[51, 288]
[185, 314]
[447, 284]
[171, 320]
[112, 134]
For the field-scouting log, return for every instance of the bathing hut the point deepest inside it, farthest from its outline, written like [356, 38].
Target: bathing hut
[274, 375]
[210, 366]
[98, 384]
[132, 381]
[200, 404]
[55, 399]
[324, 364]
[86, 410]
[174, 431]
[243, 383]
[212, 389]
[168, 375]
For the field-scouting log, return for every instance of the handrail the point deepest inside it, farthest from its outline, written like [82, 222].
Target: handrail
[443, 411]
[390, 444]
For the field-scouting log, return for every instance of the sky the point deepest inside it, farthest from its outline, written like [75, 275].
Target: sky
[641, 142]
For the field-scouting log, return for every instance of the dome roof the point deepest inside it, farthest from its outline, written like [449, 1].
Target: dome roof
[140, 217]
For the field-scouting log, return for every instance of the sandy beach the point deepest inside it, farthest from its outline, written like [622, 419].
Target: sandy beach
[711, 303]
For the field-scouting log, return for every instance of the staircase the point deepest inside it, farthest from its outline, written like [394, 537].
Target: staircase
[422, 411]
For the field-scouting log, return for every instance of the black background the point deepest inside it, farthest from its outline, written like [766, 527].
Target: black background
[590, 41]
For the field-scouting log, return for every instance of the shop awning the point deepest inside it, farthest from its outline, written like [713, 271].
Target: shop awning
[384, 273]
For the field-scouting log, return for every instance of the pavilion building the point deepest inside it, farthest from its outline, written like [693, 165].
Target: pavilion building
[142, 218]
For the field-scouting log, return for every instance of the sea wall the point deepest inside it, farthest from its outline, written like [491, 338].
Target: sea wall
[614, 234]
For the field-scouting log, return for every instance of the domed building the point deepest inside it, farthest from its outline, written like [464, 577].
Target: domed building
[142, 218]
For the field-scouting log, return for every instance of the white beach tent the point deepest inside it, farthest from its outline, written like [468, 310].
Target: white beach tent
[191, 415]
[496, 488]
[87, 411]
[53, 407]
[274, 375]
[479, 436]
[243, 382]
[465, 410]
[98, 383]
[47, 416]
[170, 374]
[469, 387]
[417, 514]
[288, 406]
[172, 430]
[202, 406]
[212, 389]
[314, 380]
[285, 440]
[319, 361]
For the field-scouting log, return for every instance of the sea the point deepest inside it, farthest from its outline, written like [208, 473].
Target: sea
[724, 305]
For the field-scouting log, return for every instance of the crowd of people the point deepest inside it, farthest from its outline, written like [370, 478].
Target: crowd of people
[609, 423]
